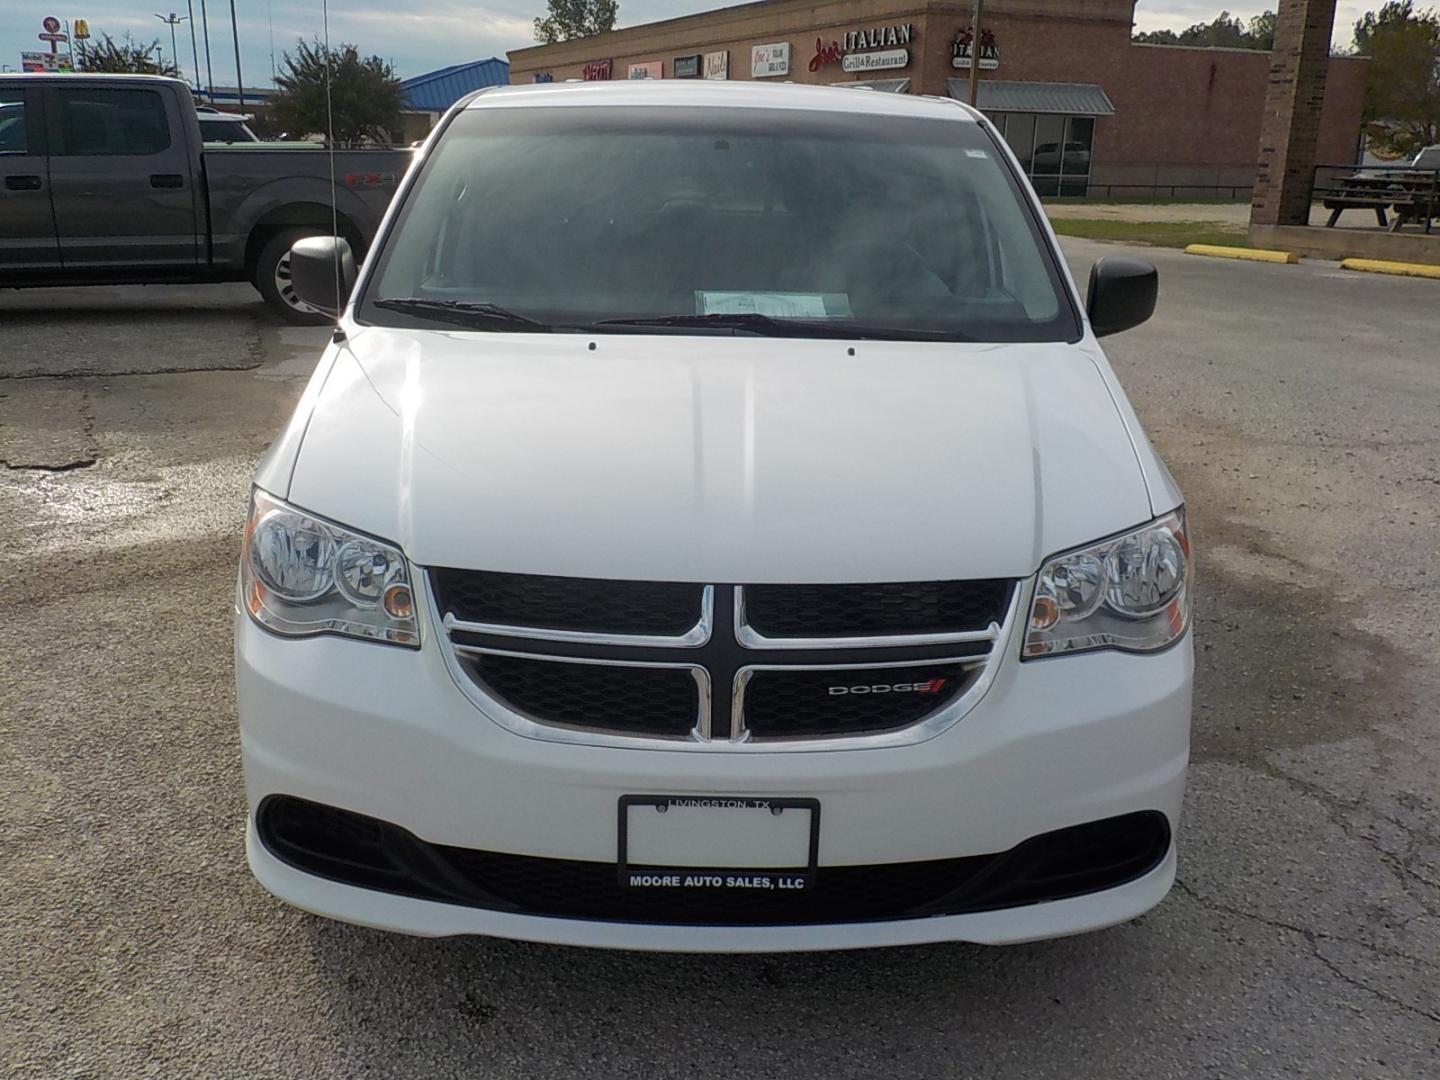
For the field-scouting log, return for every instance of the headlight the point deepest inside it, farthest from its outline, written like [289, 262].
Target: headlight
[1131, 592]
[301, 575]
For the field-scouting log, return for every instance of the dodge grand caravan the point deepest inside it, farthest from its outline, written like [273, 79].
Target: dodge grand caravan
[715, 526]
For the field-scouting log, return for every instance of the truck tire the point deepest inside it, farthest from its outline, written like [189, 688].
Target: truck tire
[272, 279]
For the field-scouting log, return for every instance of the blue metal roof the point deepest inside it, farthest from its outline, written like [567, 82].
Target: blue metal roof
[1070, 99]
[436, 91]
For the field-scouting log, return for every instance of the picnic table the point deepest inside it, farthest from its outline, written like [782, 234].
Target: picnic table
[1410, 194]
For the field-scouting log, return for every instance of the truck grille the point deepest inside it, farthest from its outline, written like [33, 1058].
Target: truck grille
[783, 703]
[722, 666]
[582, 605]
[909, 608]
[662, 701]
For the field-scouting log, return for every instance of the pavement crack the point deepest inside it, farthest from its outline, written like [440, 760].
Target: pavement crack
[109, 373]
[1390, 999]
[1314, 939]
[1308, 933]
[66, 466]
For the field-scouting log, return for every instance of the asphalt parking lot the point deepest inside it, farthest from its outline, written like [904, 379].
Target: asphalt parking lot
[1297, 406]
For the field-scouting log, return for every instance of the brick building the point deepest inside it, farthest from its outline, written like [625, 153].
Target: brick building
[1083, 106]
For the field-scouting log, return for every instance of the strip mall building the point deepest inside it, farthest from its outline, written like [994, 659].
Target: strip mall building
[1086, 109]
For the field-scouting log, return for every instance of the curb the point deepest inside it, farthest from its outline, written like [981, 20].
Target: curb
[1252, 254]
[1383, 266]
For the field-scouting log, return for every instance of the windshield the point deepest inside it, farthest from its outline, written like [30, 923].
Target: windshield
[763, 221]
[225, 131]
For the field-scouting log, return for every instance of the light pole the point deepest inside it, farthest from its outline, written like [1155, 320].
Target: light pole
[235, 33]
[209, 71]
[172, 20]
[975, 53]
[194, 49]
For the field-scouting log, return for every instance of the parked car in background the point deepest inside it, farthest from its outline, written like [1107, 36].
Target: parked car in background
[1427, 158]
[223, 127]
[1048, 158]
[107, 179]
[715, 526]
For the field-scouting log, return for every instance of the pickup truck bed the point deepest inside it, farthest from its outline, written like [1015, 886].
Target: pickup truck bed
[106, 180]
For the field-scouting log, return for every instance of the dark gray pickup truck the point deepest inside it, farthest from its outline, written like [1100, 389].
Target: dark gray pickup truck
[104, 179]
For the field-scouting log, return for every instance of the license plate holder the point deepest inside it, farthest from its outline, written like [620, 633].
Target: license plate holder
[650, 860]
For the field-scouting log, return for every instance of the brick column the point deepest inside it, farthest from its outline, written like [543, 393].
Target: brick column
[1291, 124]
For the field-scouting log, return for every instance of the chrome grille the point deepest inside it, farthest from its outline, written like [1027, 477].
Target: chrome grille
[722, 683]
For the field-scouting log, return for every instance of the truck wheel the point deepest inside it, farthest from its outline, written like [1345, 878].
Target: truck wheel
[272, 278]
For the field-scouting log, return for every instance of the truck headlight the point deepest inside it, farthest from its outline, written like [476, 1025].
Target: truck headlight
[1130, 592]
[302, 575]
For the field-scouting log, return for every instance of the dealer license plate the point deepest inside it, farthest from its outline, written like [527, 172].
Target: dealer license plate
[718, 842]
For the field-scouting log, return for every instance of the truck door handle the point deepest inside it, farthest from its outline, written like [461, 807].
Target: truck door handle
[22, 183]
[167, 180]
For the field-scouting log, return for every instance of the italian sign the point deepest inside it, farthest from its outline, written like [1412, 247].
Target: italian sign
[961, 52]
[767, 61]
[876, 61]
[851, 52]
[650, 69]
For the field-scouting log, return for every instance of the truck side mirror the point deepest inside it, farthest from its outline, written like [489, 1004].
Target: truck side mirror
[314, 274]
[1122, 294]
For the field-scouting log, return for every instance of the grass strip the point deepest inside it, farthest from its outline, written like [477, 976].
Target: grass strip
[1176, 234]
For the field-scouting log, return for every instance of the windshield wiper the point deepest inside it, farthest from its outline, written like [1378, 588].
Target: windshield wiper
[766, 325]
[472, 313]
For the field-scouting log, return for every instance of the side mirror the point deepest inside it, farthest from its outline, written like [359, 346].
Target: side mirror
[314, 276]
[1122, 294]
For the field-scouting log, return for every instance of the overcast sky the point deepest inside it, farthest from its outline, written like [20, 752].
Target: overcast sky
[421, 35]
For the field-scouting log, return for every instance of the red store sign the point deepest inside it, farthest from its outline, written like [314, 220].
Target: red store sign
[858, 42]
[596, 71]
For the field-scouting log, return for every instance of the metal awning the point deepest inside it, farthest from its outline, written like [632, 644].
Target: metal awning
[1064, 98]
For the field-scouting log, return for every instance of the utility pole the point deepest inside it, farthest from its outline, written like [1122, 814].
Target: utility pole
[194, 49]
[975, 54]
[209, 71]
[235, 33]
[172, 20]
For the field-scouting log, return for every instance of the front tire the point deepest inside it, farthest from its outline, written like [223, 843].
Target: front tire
[272, 279]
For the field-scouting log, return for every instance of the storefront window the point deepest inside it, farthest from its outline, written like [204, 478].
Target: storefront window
[1053, 150]
[1019, 132]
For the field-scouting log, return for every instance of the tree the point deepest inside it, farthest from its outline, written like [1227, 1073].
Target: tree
[1262, 31]
[1224, 32]
[365, 96]
[576, 19]
[1402, 94]
[126, 57]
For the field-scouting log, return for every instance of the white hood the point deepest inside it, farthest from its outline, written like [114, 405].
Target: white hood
[720, 459]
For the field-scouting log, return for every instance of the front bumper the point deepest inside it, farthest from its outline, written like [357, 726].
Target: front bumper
[385, 732]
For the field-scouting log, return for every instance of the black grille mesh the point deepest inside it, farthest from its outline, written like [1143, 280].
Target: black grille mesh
[910, 607]
[603, 697]
[783, 704]
[1069, 862]
[560, 603]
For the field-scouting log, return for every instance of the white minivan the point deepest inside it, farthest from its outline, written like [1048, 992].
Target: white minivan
[715, 526]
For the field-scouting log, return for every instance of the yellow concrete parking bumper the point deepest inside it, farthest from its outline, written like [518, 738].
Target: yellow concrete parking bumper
[1384, 266]
[1253, 254]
